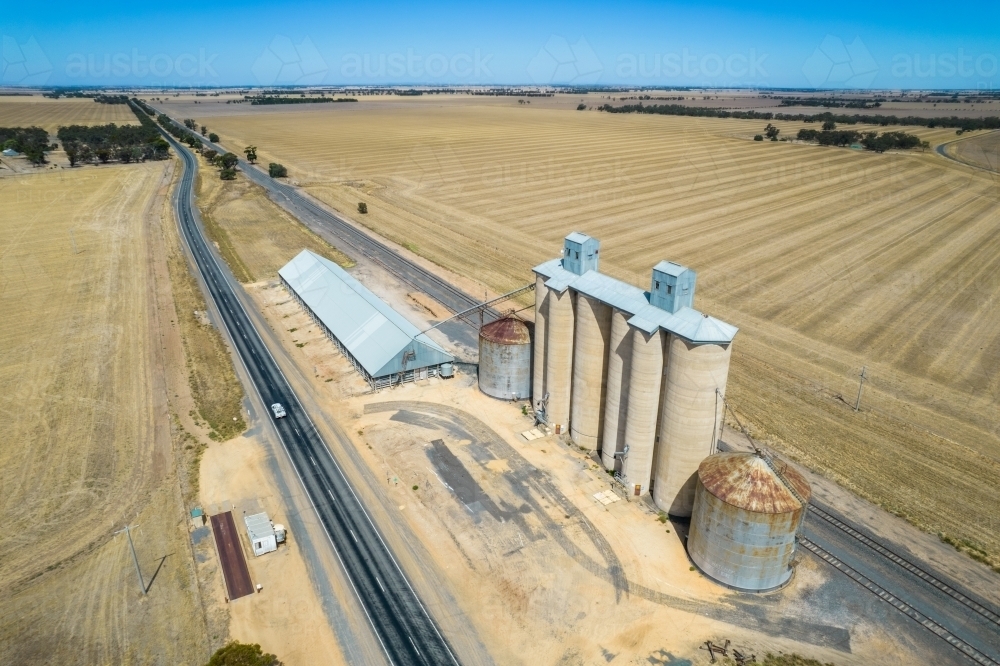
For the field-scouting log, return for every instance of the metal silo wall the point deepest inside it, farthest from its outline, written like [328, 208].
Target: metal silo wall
[616, 395]
[690, 414]
[538, 371]
[645, 374]
[740, 548]
[559, 357]
[504, 369]
[590, 366]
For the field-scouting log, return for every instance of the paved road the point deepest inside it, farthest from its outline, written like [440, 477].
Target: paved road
[234, 564]
[402, 624]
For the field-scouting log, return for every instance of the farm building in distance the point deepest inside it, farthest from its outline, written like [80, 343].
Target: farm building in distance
[381, 344]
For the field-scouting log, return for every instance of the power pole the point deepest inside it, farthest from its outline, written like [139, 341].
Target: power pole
[72, 239]
[135, 558]
[861, 385]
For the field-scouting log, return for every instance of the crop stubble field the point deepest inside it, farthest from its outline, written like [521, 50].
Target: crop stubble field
[49, 114]
[255, 236]
[828, 259]
[86, 444]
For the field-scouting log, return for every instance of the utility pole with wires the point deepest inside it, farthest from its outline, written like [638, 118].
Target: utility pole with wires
[127, 530]
[861, 385]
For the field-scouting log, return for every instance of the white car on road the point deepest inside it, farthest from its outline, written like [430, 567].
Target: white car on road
[279, 411]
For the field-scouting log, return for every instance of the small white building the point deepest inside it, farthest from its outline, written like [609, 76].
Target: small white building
[261, 533]
[10, 152]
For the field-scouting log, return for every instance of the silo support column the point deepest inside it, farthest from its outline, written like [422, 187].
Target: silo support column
[691, 420]
[538, 345]
[559, 358]
[590, 367]
[616, 395]
[645, 374]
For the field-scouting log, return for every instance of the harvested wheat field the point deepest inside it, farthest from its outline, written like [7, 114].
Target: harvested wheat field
[981, 150]
[827, 258]
[87, 440]
[49, 113]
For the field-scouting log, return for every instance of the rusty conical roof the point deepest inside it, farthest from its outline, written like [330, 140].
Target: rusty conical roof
[745, 481]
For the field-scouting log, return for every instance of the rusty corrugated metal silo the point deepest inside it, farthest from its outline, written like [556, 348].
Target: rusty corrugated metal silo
[744, 521]
[505, 359]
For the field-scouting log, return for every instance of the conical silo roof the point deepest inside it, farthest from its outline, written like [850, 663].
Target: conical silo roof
[745, 480]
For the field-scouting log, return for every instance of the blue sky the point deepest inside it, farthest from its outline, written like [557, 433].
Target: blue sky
[781, 44]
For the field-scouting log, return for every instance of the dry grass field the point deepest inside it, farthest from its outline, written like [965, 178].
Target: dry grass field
[49, 114]
[827, 258]
[255, 236]
[88, 444]
[981, 150]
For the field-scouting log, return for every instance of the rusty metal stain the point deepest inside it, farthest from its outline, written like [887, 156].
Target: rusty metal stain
[508, 331]
[745, 481]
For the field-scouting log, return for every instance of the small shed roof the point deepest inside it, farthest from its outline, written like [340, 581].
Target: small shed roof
[377, 336]
[688, 323]
[577, 237]
[259, 526]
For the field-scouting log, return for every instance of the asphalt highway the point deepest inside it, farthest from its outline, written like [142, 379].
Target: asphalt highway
[401, 623]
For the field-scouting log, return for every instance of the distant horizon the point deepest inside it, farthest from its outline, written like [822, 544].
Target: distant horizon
[557, 87]
[703, 44]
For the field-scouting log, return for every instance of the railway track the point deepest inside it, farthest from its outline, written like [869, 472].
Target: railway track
[909, 566]
[934, 627]
[354, 241]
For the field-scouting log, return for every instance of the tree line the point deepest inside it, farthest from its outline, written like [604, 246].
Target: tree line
[263, 100]
[32, 142]
[103, 143]
[873, 141]
[963, 124]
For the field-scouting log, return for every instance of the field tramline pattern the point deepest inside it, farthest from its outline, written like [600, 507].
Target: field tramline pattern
[360, 243]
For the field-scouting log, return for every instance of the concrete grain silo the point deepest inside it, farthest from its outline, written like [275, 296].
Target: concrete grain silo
[505, 359]
[590, 367]
[559, 357]
[646, 372]
[538, 362]
[745, 520]
[616, 394]
[691, 416]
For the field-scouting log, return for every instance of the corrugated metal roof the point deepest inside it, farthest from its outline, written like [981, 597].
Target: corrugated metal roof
[687, 322]
[259, 526]
[507, 331]
[670, 268]
[577, 237]
[745, 481]
[377, 336]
